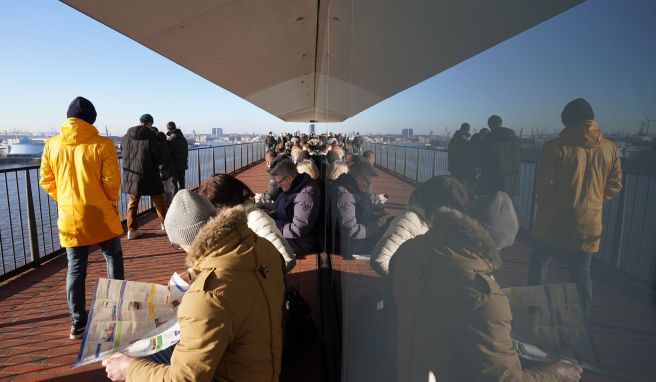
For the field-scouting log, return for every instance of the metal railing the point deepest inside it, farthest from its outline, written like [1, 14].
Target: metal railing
[628, 243]
[28, 227]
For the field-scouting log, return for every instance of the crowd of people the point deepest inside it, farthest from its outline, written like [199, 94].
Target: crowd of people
[437, 256]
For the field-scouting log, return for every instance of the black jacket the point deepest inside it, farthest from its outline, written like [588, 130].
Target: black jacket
[141, 160]
[500, 162]
[179, 150]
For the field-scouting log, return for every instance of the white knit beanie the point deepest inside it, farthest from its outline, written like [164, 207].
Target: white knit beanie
[188, 213]
[495, 212]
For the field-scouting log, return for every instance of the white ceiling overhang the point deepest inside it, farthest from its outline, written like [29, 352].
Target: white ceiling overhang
[310, 60]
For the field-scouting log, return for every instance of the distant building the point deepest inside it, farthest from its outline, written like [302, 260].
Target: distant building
[312, 127]
[407, 133]
[217, 131]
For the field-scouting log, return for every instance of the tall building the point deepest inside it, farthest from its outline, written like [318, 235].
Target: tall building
[312, 128]
[217, 131]
[407, 132]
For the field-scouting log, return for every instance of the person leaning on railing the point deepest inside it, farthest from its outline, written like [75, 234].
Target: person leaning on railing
[79, 170]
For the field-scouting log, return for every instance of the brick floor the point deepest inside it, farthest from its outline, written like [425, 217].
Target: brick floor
[34, 321]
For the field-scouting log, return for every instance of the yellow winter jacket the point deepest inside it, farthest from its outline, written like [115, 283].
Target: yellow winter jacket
[577, 173]
[79, 169]
[231, 316]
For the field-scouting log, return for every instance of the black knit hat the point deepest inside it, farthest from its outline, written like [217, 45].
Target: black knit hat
[576, 111]
[83, 109]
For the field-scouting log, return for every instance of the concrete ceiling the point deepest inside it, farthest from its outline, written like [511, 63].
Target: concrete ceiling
[313, 60]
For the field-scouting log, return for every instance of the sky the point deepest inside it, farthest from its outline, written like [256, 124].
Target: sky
[602, 50]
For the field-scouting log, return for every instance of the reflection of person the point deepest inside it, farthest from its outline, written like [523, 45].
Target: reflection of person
[231, 316]
[451, 316]
[438, 191]
[357, 225]
[79, 169]
[577, 173]
[499, 160]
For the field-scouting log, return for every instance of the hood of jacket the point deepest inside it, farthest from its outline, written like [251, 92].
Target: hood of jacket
[75, 131]
[471, 247]
[299, 183]
[140, 133]
[584, 134]
[175, 133]
[348, 182]
[224, 242]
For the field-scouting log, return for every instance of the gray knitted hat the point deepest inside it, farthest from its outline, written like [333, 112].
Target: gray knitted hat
[495, 212]
[188, 213]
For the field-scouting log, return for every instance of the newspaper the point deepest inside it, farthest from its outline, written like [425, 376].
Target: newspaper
[549, 324]
[131, 317]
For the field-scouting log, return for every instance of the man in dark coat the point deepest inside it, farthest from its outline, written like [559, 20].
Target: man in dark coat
[461, 165]
[297, 206]
[500, 160]
[141, 160]
[179, 150]
[354, 219]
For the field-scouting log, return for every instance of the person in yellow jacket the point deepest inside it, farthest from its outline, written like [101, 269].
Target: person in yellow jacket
[577, 173]
[79, 170]
[231, 316]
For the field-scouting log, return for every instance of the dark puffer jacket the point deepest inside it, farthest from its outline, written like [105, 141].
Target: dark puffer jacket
[296, 213]
[352, 213]
[500, 158]
[141, 160]
[179, 150]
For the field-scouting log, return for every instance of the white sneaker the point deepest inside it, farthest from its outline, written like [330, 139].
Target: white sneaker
[134, 234]
[163, 229]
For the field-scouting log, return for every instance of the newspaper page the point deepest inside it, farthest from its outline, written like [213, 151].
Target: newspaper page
[549, 324]
[130, 317]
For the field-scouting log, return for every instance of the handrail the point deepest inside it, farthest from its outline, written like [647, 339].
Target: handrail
[30, 236]
[628, 248]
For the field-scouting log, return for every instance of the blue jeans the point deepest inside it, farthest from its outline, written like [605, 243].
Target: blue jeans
[77, 273]
[578, 263]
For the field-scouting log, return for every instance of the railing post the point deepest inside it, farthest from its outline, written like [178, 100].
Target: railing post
[213, 163]
[198, 164]
[405, 161]
[394, 159]
[531, 212]
[225, 160]
[616, 255]
[234, 158]
[434, 155]
[31, 218]
[417, 178]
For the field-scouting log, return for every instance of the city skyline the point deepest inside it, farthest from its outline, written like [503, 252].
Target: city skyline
[600, 50]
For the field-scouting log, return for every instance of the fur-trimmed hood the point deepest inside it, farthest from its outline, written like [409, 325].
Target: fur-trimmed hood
[457, 231]
[222, 242]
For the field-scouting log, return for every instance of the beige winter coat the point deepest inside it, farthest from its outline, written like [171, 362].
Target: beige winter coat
[231, 317]
[452, 318]
[577, 173]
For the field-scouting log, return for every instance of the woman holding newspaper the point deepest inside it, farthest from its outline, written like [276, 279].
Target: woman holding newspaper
[231, 316]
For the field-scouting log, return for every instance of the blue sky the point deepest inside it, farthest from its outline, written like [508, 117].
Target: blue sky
[603, 50]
